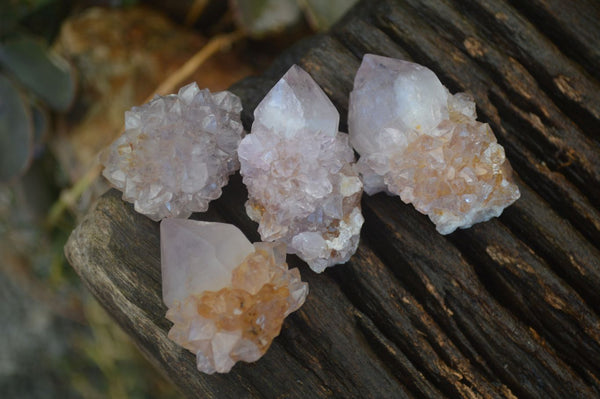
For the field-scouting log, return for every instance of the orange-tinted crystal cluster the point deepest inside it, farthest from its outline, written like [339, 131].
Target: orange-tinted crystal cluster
[418, 141]
[240, 321]
[457, 178]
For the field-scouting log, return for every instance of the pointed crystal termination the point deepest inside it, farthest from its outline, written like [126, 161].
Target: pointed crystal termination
[420, 142]
[227, 298]
[177, 152]
[299, 170]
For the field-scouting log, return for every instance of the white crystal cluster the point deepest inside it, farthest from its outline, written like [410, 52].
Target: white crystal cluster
[422, 143]
[177, 152]
[299, 170]
[227, 298]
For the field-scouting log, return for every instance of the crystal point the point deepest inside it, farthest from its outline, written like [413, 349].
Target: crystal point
[302, 185]
[177, 152]
[198, 256]
[418, 141]
[226, 297]
[295, 103]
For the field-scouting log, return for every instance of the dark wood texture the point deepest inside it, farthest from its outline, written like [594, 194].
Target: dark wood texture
[508, 308]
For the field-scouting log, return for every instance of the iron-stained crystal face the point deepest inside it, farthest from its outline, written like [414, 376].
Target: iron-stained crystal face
[227, 298]
[420, 142]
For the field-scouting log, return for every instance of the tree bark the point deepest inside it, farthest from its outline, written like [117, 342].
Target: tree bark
[508, 308]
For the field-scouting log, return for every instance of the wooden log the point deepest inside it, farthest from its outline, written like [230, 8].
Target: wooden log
[508, 308]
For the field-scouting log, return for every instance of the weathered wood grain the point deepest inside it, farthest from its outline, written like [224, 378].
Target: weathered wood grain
[508, 308]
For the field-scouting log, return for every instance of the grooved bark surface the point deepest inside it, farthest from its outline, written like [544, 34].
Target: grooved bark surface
[508, 308]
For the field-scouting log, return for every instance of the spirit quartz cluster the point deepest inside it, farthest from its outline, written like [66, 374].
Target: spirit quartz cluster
[177, 152]
[302, 186]
[422, 143]
[226, 297]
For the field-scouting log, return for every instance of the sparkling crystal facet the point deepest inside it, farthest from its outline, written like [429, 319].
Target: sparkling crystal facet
[299, 170]
[177, 152]
[226, 297]
[422, 143]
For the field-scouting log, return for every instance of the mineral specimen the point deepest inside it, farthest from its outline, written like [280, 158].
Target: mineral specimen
[177, 152]
[299, 170]
[226, 297]
[419, 141]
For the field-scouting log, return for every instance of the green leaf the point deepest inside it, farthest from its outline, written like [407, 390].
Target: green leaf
[324, 13]
[45, 20]
[16, 131]
[260, 17]
[12, 11]
[41, 126]
[45, 74]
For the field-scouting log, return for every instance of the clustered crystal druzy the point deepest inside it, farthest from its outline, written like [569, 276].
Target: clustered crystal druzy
[303, 188]
[226, 297]
[177, 152]
[420, 142]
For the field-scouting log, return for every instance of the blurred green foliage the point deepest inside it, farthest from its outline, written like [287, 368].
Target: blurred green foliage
[56, 341]
[45, 74]
[324, 13]
[267, 17]
[261, 17]
[31, 77]
[16, 126]
[12, 12]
